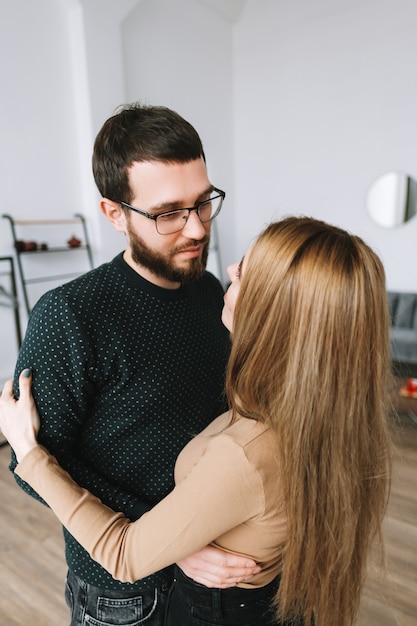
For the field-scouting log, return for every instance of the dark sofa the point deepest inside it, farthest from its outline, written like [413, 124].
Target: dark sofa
[403, 308]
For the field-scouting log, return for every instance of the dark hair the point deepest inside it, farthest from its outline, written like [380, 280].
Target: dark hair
[140, 133]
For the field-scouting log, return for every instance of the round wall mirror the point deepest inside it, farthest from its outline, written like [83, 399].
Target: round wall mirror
[392, 199]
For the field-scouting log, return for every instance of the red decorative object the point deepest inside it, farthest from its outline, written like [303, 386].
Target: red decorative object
[409, 390]
[29, 246]
[74, 242]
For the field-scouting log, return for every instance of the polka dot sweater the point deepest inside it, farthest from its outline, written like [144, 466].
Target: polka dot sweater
[125, 373]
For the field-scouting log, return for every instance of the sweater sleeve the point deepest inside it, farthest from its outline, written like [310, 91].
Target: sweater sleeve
[57, 350]
[210, 500]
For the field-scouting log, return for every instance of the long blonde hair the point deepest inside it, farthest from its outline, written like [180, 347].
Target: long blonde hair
[310, 356]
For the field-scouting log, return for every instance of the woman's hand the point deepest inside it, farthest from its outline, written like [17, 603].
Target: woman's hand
[19, 419]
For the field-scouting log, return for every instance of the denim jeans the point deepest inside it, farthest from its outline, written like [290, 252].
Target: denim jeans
[191, 604]
[91, 606]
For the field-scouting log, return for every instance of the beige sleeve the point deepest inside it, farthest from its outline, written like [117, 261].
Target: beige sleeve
[212, 499]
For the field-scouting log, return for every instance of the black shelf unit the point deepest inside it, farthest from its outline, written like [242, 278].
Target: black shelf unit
[12, 295]
[85, 247]
[11, 302]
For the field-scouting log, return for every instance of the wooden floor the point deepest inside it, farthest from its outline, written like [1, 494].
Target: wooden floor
[32, 567]
[32, 564]
[392, 600]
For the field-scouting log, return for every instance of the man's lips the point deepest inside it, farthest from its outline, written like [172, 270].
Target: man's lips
[191, 252]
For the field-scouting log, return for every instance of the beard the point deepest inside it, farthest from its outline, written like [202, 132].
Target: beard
[162, 265]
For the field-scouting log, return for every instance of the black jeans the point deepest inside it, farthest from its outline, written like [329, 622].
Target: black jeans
[191, 604]
[91, 606]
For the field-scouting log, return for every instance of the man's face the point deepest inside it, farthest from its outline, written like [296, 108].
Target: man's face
[167, 260]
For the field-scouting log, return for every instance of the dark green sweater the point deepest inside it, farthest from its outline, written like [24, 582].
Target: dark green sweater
[124, 374]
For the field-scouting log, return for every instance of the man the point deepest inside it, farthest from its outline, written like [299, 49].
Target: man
[128, 360]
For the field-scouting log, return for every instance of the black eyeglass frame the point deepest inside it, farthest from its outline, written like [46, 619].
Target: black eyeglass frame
[196, 207]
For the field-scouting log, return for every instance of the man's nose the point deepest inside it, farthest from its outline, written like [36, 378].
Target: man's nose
[194, 228]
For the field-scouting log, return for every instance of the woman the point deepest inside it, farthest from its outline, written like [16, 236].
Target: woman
[296, 474]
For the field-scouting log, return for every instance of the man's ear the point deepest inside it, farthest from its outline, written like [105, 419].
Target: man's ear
[114, 213]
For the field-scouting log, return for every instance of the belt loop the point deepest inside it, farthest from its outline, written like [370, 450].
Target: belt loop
[217, 603]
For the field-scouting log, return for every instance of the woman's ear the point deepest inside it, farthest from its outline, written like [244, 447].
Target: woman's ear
[114, 213]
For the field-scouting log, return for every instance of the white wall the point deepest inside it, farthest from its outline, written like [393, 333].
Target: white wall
[325, 102]
[64, 69]
[174, 54]
[300, 105]
[180, 54]
[38, 154]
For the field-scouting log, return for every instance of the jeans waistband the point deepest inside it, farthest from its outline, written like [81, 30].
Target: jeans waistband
[229, 598]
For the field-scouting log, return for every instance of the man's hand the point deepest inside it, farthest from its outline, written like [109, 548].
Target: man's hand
[213, 567]
[19, 419]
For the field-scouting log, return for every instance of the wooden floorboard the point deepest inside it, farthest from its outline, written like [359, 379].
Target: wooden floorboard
[32, 566]
[32, 563]
[391, 599]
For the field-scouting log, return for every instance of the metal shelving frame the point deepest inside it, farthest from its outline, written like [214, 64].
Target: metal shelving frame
[77, 219]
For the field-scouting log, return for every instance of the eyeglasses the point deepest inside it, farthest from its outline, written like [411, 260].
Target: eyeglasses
[174, 221]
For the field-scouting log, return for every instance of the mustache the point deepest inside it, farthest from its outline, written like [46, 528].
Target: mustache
[194, 242]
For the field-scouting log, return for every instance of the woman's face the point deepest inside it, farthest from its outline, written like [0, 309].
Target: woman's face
[235, 273]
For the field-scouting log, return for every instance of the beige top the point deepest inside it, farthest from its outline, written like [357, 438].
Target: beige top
[227, 493]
